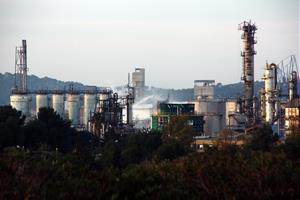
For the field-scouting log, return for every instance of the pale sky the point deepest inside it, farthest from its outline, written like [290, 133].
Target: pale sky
[97, 42]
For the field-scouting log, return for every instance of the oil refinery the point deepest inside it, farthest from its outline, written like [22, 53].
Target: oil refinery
[100, 109]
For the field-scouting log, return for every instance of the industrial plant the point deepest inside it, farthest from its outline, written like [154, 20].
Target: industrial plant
[99, 110]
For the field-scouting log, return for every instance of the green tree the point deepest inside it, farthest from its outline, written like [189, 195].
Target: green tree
[50, 129]
[179, 130]
[11, 123]
[292, 145]
[262, 138]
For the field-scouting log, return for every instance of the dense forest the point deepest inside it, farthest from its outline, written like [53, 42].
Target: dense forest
[45, 158]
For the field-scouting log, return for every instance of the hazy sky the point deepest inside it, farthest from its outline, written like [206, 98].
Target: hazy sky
[177, 41]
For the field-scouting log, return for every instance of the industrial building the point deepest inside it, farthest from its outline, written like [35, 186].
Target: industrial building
[204, 89]
[100, 110]
[78, 106]
[277, 103]
[211, 108]
[168, 110]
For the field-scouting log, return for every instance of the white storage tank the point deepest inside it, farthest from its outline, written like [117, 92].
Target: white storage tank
[89, 106]
[73, 108]
[20, 102]
[41, 101]
[58, 104]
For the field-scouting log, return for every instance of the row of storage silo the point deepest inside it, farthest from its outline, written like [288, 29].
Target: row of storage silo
[66, 105]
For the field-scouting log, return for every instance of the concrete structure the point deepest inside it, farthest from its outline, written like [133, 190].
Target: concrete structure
[214, 115]
[138, 82]
[204, 89]
[20, 102]
[89, 106]
[41, 101]
[73, 108]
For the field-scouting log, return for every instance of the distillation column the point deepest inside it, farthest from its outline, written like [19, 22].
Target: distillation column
[270, 78]
[248, 53]
[293, 86]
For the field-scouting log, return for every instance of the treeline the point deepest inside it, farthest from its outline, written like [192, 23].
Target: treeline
[46, 159]
[47, 129]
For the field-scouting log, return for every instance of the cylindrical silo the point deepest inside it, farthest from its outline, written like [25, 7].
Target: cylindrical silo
[73, 108]
[89, 107]
[41, 101]
[58, 104]
[20, 102]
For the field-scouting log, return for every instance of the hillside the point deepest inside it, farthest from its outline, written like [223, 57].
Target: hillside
[36, 83]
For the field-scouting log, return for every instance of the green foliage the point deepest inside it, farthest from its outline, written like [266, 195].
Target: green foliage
[215, 174]
[11, 121]
[292, 146]
[120, 151]
[58, 162]
[179, 130]
[262, 138]
[171, 149]
[49, 129]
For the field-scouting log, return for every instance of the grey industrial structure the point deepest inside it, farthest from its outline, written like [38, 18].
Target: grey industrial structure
[138, 82]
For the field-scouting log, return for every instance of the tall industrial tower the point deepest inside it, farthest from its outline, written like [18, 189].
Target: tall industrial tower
[138, 82]
[21, 68]
[248, 53]
[19, 98]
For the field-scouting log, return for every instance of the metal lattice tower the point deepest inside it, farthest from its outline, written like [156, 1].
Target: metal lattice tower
[248, 53]
[21, 68]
